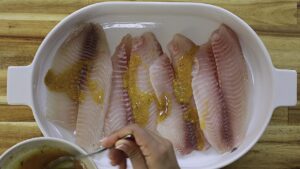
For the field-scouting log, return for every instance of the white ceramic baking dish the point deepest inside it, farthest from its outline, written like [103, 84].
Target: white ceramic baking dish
[269, 87]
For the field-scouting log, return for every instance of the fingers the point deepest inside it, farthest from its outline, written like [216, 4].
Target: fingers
[157, 138]
[117, 157]
[123, 165]
[149, 150]
[142, 137]
[133, 152]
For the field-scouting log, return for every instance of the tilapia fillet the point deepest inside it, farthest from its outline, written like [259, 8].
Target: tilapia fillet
[95, 90]
[171, 124]
[79, 83]
[208, 96]
[182, 51]
[145, 49]
[220, 90]
[64, 78]
[120, 111]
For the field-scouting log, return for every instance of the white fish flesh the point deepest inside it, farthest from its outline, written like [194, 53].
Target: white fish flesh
[95, 91]
[182, 51]
[63, 80]
[171, 124]
[79, 84]
[120, 111]
[220, 90]
[145, 50]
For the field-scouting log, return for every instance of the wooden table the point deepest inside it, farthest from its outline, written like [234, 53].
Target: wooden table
[24, 24]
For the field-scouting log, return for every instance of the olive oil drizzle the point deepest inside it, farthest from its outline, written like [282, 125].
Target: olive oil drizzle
[191, 116]
[140, 101]
[164, 107]
[183, 92]
[183, 76]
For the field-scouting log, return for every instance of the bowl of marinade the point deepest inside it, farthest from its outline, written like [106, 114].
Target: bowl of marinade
[194, 73]
[38, 153]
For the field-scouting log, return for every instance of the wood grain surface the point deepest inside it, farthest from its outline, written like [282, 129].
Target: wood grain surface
[24, 24]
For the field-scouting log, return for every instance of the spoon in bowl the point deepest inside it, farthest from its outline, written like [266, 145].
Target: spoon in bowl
[69, 162]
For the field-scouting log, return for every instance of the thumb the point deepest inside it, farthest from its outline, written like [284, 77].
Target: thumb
[132, 150]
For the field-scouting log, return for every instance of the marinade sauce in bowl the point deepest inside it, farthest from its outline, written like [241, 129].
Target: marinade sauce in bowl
[37, 153]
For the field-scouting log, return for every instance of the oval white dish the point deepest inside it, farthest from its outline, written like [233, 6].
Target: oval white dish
[270, 87]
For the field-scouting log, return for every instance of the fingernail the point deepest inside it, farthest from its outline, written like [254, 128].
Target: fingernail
[120, 147]
[120, 142]
[103, 140]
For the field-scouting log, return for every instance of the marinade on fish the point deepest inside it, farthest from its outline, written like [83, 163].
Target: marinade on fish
[145, 49]
[78, 84]
[182, 51]
[194, 135]
[63, 79]
[194, 98]
[120, 111]
[171, 124]
[95, 89]
[220, 90]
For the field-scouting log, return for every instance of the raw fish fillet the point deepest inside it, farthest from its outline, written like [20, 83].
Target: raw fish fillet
[145, 49]
[59, 102]
[95, 90]
[220, 90]
[119, 112]
[63, 80]
[233, 79]
[208, 98]
[182, 51]
[171, 124]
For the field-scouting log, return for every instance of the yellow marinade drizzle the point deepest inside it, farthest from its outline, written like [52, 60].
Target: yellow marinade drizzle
[140, 101]
[191, 115]
[204, 114]
[183, 91]
[68, 82]
[183, 80]
[164, 107]
[96, 91]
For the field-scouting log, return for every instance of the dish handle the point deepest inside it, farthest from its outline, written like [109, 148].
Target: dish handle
[285, 87]
[19, 85]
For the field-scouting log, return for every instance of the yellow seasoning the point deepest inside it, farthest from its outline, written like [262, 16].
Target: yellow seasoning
[164, 107]
[81, 97]
[140, 101]
[183, 76]
[203, 115]
[68, 82]
[96, 92]
[191, 115]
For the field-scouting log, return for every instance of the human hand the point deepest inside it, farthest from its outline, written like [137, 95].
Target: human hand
[149, 151]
